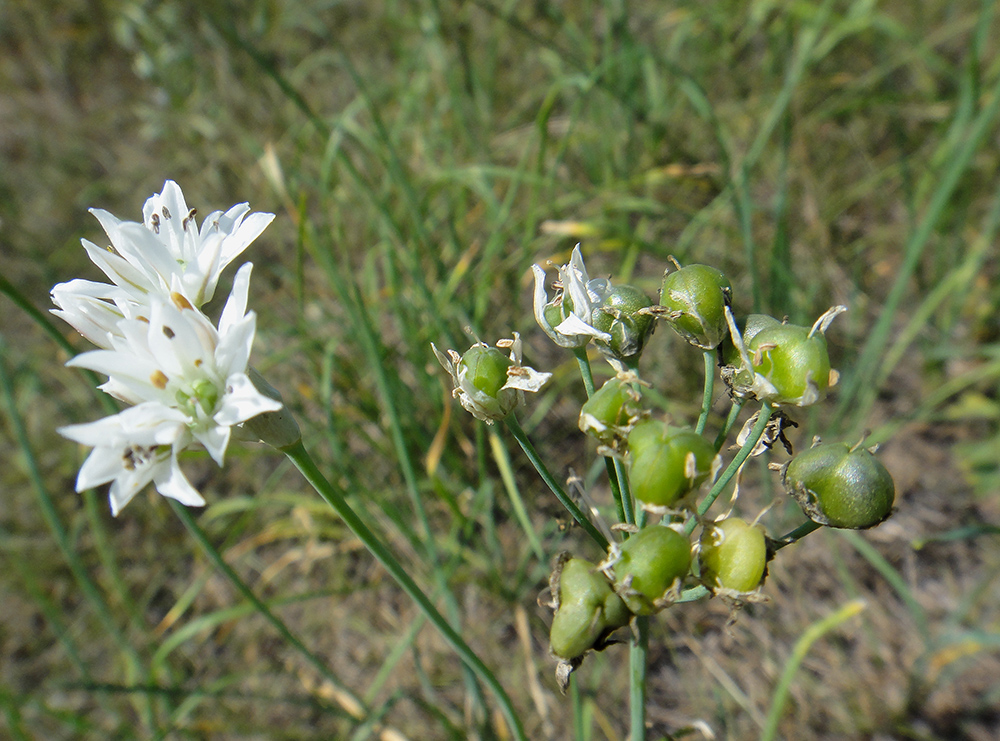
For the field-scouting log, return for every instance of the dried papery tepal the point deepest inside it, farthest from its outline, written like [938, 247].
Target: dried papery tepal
[566, 318]
[840, 486]
[488, 383]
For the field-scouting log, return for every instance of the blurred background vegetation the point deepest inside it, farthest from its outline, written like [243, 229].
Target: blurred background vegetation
[420, 156]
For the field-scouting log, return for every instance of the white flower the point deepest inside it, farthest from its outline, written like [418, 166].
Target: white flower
[133, 448]
[572, 308]
[488, 384]
[167, 253]
[94, 309]
[176, 358]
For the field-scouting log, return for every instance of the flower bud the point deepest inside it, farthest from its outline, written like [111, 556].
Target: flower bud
[488, 383]
[695, 297]
[277, 429]
[840, 486]
[733, 555]
[649, 565]
[665, 463]
[619, 314]
[587, 608]
[607, 414]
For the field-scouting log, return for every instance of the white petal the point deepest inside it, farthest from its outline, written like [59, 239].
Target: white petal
[525, 379]
[246, 232]
[236, 304]
[573, 325]
[233, 352]
[215, 438]
[243, 401]
[171, 482]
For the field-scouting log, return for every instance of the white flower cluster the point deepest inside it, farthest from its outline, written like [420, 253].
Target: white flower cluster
[184, 377]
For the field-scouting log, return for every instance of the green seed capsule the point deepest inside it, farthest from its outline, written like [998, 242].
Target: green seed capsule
[733, 555]
[751, 325]
[696, 296]
[609, 410]
[665, 463]
[486, 368]
[588, 609]
[840, 487]
[651, 562]
[617, 314]
[792, 367]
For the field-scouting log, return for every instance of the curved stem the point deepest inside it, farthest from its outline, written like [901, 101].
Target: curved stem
[529, 450]
[302, 460]
[744, 452]
[795, 535]
[706, 399]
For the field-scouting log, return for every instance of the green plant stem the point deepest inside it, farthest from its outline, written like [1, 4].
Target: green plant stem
[303, 461]
[706, 399]
[813, 633]
[638, 654]
[529, 450]
[588, 375]
[744, 452]
[734, 412]
[616, 471]
[795, 535]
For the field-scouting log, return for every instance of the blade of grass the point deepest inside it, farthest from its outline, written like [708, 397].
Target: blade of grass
[813, 633]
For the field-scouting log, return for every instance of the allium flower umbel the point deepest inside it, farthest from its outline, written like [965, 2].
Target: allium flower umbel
[185, 377]
[166, 253]
[488, 383]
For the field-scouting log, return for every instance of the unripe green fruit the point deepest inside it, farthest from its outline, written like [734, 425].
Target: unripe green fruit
[795, 364]
[755, 323]
[486, 368]
[588, 609]
[651, 562]
[618, 316]
[608, 410]
[751, 325]
[698, 295]
[665, 463]
[840, 487]
[733, 555]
